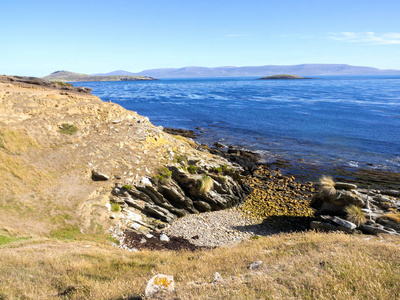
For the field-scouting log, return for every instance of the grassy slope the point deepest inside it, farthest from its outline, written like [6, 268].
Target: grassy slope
[300, 265]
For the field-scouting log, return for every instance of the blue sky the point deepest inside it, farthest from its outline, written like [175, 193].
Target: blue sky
[39, 37]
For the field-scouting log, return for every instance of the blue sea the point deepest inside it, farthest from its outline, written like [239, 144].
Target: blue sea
[327, 122]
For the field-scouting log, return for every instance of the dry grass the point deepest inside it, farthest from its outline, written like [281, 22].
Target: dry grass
[327, 186]
[355, 215]
[394, 217]
[300, 266]
[206, 184]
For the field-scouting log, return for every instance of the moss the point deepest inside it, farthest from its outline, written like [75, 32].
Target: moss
[68, 129]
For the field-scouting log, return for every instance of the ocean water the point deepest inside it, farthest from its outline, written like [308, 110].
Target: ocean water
[328, 122]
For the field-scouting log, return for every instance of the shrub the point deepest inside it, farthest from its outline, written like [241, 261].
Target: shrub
[69, 129]
[206, 184]
[115, 207]
[192, 169]
[355, 215]
[127, 187]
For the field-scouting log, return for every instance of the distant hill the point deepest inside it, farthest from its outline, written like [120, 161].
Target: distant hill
[115, 73]
[77, 77]
[260, 71]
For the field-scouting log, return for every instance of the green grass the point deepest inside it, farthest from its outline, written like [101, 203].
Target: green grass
[67, 233]
[192, 169]
[180, 159]
[68, 129]
[163, 176]
[223, 169]
[4, 239]
[115, 207]
[127, 187]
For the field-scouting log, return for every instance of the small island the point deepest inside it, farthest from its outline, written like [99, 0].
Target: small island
[284, 76]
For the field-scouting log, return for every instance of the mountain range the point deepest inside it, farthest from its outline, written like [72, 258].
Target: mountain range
[250, 71]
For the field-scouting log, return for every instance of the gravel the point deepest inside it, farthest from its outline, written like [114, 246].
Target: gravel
[216, 228]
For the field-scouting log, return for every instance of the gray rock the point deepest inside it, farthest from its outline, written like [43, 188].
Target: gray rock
[98, 176]
[394, 193]
[323, 226]
[374, 229]
[159, 213]
[343, 223]
[255, 265]
[202, 206]
[158, 283]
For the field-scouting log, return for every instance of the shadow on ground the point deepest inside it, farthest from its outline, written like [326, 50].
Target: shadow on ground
[278, 224]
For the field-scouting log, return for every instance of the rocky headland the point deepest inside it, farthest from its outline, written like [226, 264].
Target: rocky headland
[72, 160]
[66, 76]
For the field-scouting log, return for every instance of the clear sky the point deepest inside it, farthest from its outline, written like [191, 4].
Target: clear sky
[43, 36]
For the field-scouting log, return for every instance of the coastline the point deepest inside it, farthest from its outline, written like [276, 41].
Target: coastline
[303, 171]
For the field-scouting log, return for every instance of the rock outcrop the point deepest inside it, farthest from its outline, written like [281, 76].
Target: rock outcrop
[344, 207]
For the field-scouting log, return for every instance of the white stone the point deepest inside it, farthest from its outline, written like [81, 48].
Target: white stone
[146, 181]
[158, 283]
[216, 278]
[117, 121]
[164, 238]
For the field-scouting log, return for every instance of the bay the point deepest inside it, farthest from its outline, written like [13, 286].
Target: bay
[328, 122]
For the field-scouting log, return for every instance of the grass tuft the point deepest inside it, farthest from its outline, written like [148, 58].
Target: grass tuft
[206, 184]
[327, 186]
[355, 215]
